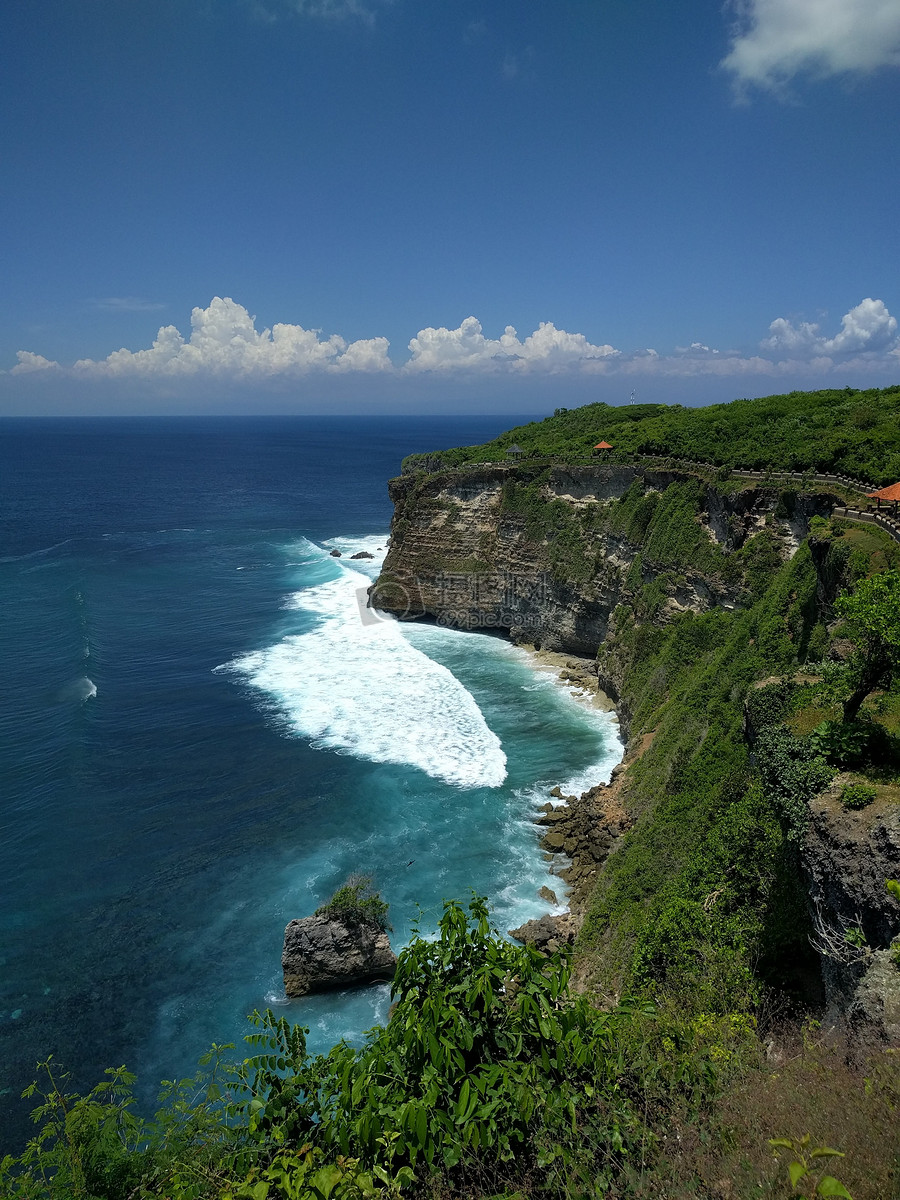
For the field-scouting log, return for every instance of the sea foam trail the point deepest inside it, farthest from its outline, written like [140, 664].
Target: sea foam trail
[354, 684]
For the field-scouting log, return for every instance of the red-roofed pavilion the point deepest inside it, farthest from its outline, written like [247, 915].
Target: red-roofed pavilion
[888, 493]
[603, 446]
[891, 494]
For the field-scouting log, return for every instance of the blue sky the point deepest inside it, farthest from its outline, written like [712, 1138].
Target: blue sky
[373, 205]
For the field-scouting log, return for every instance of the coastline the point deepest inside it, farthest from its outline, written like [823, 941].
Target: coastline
[575, 673]
[579, 828]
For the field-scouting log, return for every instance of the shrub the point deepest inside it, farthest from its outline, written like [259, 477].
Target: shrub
[772, 704]
[857, 795]
[846, 743]
[357, 903]
[793, 771]
[806, 1172]
[483, 1040]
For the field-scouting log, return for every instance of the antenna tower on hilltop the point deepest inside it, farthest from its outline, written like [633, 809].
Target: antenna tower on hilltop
[632, 396]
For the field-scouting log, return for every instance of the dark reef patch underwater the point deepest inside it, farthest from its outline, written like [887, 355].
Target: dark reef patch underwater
[200, 737]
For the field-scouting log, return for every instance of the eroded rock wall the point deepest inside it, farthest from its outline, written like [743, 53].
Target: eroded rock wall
[458, 558]
[846, 858]
[462, 556]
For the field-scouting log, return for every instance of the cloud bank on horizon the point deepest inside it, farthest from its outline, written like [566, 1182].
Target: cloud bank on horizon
[225, 342]
[776, 40]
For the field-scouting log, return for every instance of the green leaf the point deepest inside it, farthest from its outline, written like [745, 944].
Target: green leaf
[829, 1186]
[796, 1171]
[463, 1103]
[825, 1152]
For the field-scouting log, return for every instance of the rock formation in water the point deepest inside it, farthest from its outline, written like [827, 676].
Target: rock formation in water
[324, 952]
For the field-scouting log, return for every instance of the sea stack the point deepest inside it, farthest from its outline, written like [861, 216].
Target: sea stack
[324, 952]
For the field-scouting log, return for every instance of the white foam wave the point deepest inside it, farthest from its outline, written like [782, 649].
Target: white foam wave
[537, 794]
[78, 689]
[355, 684]
[371, 544]
[602, 768]
[303, 551]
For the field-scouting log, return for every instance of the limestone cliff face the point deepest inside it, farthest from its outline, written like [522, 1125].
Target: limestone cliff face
[458, 557]
[846, 858]
[463, 554]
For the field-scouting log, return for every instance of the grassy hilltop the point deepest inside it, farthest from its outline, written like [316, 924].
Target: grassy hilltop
[847, 432]
[692, 1037]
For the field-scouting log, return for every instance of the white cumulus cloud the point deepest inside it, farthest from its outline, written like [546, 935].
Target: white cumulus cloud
[224, 340]
[466, 347]
[776, 40]
[29, 362]
[865, 329]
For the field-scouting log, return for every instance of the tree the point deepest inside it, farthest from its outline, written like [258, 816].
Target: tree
[871, 616]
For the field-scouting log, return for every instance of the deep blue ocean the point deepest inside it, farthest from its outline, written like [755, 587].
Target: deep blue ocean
[203, 733]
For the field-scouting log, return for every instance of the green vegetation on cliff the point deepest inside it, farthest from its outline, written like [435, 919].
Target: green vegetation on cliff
[703, 898]
[844, 431]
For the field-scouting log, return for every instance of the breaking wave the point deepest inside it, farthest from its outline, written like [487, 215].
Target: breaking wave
[355, 684]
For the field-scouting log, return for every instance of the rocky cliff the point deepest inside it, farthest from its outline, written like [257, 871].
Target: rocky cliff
[847, 857]
[599, 561]
[541, 554]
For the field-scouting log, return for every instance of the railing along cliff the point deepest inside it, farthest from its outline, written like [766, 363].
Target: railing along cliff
[890, 524]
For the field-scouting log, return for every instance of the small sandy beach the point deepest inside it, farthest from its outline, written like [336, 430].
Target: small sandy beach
[575, 674]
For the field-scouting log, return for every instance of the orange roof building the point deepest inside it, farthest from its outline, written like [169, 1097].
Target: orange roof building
[603, 446]
[888, 493]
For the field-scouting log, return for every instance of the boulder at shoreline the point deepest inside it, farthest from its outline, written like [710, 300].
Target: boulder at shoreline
[547, 933]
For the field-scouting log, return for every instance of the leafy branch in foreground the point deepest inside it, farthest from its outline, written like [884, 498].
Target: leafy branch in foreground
[804, 1171]
[484, 1045]
[83, 1141]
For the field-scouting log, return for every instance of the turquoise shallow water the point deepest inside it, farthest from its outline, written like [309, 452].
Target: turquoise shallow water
[203, 732]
